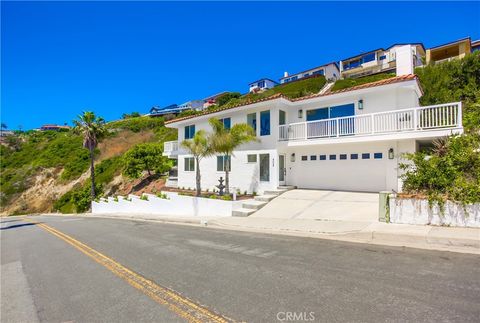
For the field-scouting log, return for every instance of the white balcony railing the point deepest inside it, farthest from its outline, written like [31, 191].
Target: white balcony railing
[170, 147]
[415, 119]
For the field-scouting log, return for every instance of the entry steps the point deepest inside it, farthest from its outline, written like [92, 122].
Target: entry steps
[251, 206]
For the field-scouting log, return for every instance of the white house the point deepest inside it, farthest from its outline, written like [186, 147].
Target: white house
[261, 85]
[330, 71]
[352, 139]
[398, 58]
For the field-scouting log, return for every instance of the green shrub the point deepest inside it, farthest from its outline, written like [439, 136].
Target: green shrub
[451, 172]
[350, 82]
[225, 98]
[136, 124]
[144, 197]
[145, 157]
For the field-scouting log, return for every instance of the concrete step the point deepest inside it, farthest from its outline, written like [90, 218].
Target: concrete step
[287, 187]
[274, 192]
[265, 198]
[253, 205]
[242, 212]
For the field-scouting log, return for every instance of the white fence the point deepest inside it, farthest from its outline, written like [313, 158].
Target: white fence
[176, 205]
[417, 211]
[414, 119]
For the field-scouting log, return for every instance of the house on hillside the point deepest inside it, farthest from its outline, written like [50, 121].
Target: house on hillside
[169, 109]
[54, 127]
[330, 71]
[211, 100]
[400, 59]
[261, 85]
[192, 105]
[351, 139]
[452, 50]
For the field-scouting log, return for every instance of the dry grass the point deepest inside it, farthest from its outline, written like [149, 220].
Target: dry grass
[123, 141]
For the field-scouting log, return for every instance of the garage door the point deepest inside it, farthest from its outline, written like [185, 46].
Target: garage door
[365, 172]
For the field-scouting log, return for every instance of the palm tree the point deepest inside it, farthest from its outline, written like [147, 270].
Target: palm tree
[199, 147]
[93, 129]
[225, 141]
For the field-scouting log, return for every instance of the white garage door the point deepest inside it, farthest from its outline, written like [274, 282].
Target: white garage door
[364, 172]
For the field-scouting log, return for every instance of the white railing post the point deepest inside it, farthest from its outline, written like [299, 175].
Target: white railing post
[306, 130]
[373, 123]
[338, 128]
[415, 119]
[459, 115]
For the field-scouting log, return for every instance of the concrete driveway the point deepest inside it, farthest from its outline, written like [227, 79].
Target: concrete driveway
[322, 205]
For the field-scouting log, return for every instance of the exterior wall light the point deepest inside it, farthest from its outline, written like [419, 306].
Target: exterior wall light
[360, 104]
[300, 114]
[391, 154]
[292, 157]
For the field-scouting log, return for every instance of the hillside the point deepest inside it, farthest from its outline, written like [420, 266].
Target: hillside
[39, 168]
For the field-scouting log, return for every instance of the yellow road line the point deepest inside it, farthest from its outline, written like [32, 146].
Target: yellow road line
[178, 304]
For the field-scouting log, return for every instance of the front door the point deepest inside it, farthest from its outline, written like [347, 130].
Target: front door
[282, 170]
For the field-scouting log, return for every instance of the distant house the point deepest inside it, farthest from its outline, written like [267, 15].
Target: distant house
[192, 105]
[452, 50]
[6, 133]
[261, 85]
[54, 127]
[211, 100]
[330, 71]
[169, 109]
[398, 58]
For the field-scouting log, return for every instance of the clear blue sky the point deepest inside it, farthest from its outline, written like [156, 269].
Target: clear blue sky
[60, 58]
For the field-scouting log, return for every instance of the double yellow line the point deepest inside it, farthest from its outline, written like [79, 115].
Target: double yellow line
[178, 304]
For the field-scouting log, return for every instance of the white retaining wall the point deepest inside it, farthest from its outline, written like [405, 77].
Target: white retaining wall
[176, 205]
[417, 211]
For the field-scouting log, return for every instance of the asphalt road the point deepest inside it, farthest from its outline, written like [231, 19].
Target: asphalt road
[47, 276]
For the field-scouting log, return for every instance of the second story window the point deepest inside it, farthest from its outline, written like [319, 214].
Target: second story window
[189, 131]
[252, 121]
[227, 122]
[265, 123]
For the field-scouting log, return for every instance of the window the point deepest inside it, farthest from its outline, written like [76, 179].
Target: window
[265, 123]
[332, 157]
[319, 72]
[304, 157]
[306, 74]
[313, 157]
[252, 121]
[323, 157]
[368, 58]
[317, 114]
[251, 158]
[226, 123]
[382, 57]
[223, 162]
[378, 155]
[189, 164]
[264, 167]
[281, 117]
[286, 80]
[261, 84]
[189, 131]
[354, 156]
[366, 156]
[343, 156]
[293, 78]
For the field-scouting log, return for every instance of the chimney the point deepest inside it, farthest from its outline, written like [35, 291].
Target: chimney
[285, 74]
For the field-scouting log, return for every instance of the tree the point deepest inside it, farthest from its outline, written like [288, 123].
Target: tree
[92, 128]
[224, 98]
[225, 141]
[199, 146]
[145, 157]
[4, 126]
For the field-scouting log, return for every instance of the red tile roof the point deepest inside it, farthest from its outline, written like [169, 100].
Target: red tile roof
[388, 81]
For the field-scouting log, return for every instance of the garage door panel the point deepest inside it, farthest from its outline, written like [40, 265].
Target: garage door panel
[353, 175]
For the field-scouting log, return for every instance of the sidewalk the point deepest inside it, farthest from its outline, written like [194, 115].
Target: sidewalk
[465, 240]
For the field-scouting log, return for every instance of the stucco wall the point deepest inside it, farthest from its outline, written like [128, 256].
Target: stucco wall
[176, 205]
[417, 211]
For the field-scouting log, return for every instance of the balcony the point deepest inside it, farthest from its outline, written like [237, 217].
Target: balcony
[390, 124]
[170, 149]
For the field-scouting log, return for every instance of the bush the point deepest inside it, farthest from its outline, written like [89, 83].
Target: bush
[351, 82]
[451, 172]
[225, 98]
[145, 157]
[136, 124]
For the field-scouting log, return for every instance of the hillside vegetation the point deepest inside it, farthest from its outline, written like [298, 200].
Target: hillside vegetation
[57, 162]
